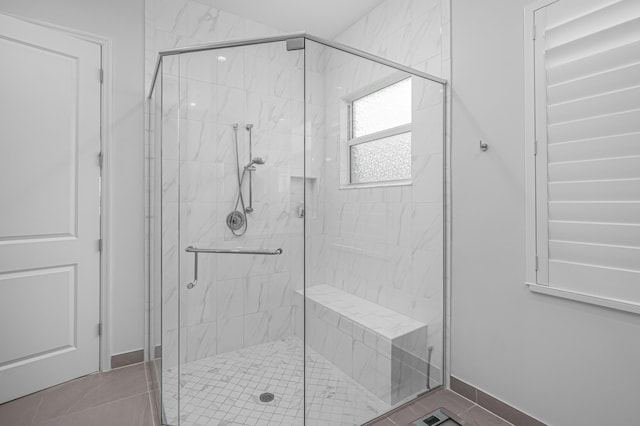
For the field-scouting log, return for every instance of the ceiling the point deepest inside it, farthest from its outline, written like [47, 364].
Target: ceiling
[322, 18]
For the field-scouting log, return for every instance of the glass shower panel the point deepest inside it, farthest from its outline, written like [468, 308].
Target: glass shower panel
[154, 244]
[240, 185]
[374, 251]
[169, 237]
[296, 254]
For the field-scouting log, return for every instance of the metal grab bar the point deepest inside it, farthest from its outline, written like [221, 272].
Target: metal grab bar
[192, 249]
[196, 251]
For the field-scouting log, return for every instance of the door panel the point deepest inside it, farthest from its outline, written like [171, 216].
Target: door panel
[49, 215]
[30, 295]
[40, 122]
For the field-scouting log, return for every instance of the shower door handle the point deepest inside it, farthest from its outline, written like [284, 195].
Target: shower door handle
[193, 283]
[192, 249]
[196, 251]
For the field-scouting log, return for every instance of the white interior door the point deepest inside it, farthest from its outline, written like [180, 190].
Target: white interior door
[49, 207]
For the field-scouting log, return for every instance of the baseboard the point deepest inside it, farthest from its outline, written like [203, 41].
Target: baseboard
[127, 358]
[496, 406]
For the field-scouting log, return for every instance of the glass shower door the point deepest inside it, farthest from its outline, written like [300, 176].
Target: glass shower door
[300, 234]
[240, 151]
[374, 236]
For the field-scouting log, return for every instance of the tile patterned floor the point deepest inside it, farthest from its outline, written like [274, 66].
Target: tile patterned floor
[468, 413]
[225, 389]
[118, 397]
[122, 396]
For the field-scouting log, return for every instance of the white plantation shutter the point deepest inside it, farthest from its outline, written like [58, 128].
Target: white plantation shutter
[587, 76]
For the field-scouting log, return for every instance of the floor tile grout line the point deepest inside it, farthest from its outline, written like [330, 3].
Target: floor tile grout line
[491, 412]
[127, 366]
[85, 395]
[463, 397]
[108, 377]
[151, 405]
[35, 413]
[68, 409]
[391, 420]
[475, 403]
[146, 376]
[464, 411]
[99, 405]
[151, 409]
[44, 421]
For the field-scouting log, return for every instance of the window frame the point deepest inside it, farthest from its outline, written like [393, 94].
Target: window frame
[536, 271]
[381, 134]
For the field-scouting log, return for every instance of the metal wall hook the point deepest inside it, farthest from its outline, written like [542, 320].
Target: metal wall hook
[483, 146]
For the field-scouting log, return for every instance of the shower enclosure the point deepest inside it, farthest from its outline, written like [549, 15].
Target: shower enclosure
[295, 233]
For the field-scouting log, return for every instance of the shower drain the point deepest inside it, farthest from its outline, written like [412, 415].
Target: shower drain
[266, 397]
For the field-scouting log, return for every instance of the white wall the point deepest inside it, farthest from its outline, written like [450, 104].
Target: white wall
[562, 362]
[122, 21]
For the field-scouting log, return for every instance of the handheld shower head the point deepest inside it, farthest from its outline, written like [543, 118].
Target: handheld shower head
[254, 161]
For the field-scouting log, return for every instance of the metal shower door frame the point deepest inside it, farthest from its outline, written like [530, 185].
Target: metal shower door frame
[298, 39]
[286, 37]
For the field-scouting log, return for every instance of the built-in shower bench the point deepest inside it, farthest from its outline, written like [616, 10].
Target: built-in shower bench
[383, 350]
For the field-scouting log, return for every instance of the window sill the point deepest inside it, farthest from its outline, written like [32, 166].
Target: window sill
[405, 182]
[585, 298]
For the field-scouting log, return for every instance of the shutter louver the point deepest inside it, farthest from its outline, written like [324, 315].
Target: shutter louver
[592, 158]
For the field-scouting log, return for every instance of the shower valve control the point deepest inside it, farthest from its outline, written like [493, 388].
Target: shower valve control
[300, 211]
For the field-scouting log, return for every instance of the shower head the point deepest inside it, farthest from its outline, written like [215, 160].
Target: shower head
[251, 165]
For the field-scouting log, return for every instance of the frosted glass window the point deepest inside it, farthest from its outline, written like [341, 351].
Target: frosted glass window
[382, 159]
[383, 109]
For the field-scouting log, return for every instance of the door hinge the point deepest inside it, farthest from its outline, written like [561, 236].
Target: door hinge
[100, 159]
[535, 147]
[101, 76]
[99, 329]
[536, 263]
[100, 245]
[534, 32]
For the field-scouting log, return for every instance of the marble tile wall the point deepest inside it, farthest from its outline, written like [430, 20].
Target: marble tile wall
[240, 300]
[385, 244]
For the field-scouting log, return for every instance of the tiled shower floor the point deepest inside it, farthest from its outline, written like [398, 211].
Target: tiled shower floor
[225, 389]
